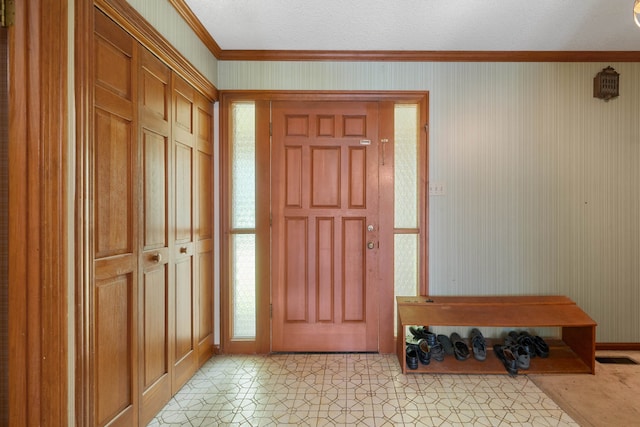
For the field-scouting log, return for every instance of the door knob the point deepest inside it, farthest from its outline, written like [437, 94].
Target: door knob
[370, 227]
[157, 257]
[183, 249]
[371, 245]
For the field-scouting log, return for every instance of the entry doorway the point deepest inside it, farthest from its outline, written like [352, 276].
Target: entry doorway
[324, 203]
[315, 240]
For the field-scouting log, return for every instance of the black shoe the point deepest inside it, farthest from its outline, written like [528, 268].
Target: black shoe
[424, 354]
[412, 357]
[526, 341]
[507, 358]
[431, 339]
[460, 348]
[445, 342]
[478, 345]
[437, 352]
[521, 355]
[541, 347]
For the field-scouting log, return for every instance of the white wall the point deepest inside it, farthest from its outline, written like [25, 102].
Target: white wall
[542, 180]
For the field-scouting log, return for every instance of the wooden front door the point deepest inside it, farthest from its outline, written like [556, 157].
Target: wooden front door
[325, 226]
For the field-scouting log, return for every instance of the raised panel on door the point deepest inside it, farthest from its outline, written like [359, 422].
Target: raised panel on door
[114, 344]
[203, 221]
[183, 134]
[154, 88]
[114, 288]
[324, 192]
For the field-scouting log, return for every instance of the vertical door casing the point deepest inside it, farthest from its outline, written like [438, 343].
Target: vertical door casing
[115, 251]
[185, 356]
[155, 222]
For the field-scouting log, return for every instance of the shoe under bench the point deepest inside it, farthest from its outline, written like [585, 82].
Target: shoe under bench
[573, 352]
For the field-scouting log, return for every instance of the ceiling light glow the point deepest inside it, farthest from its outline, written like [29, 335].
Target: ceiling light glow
[636, 12]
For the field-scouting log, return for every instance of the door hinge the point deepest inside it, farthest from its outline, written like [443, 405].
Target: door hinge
[271, 311]
[426, 128]
[270, 129]
[270, 219]
[7, 12]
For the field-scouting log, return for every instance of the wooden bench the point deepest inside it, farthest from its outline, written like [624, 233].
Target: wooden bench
[574, 352]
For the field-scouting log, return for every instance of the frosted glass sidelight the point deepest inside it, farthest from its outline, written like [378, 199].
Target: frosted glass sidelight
[405, 267]
[243, 165]
[243, 250]
[406, 201]
[406, 166]
[243, 217]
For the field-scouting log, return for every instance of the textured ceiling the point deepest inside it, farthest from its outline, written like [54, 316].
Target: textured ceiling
[422, 25]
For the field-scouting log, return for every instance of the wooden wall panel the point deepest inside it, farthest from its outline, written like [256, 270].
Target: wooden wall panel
[293, 176]
[155, 181]
[296, 247]
[113, 185]
[326, 177]
[183, 193]
[356, 178]
[205, 300]
[154, 326]
[184, 309]
[114, 338]
[353, 269]
[325, 269]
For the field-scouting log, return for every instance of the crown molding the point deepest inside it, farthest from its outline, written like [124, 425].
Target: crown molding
[430, 56]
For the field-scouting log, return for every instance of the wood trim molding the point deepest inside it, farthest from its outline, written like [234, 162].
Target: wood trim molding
[84, 72]
[135, 24]
[38, 279]
[430, 56]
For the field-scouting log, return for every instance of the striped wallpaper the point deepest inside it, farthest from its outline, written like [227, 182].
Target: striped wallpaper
[542, 180]
[164, 18]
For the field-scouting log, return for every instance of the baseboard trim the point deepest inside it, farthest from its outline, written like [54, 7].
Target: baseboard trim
[619, 346]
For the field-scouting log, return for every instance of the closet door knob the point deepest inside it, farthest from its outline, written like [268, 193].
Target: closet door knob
[157, 257]
[183, 249]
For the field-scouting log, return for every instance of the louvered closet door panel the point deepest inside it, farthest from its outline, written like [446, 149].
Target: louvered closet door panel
[185, 363]
[204, 227]
[154, 86]
[115, 285]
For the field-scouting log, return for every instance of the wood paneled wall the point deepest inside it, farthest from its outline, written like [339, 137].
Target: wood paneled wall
[38, 362]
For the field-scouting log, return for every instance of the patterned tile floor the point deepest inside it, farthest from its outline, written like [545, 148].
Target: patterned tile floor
[350, 390]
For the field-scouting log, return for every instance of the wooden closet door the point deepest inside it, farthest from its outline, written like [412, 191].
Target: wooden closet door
[203, 208]
[155, 294]
[114, 301]
[185, 356]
